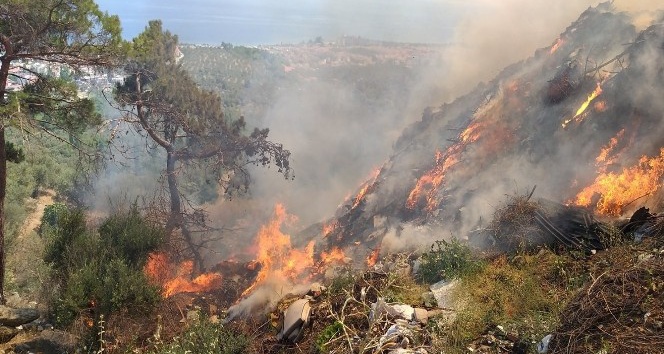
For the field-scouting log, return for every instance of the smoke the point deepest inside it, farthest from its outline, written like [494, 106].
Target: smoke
[265, 298]
[494, 34]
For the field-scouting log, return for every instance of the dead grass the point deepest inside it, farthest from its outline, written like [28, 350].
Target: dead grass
[621, 308]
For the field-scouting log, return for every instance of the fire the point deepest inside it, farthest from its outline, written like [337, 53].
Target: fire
[584, 106]
[605, 157]
[430, 182]
[280, 261]
[178, 279]
[373, 257]
[600, 106]
[365, 188]
[616, 191]
[336, 255]
[328, 228]
[556, 45]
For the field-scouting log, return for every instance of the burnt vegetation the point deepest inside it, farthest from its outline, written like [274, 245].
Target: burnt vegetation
[436, 252]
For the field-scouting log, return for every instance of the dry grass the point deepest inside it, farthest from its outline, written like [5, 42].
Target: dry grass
[621, 310]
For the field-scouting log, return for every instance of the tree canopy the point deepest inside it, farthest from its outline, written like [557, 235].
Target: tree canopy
[162, 101]
[71, 34]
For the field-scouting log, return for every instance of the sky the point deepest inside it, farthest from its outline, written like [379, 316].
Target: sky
[253, 22]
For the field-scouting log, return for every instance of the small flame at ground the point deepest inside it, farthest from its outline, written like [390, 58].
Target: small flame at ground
[556, 45]
[606, 156]
[372, 259]
[178, 279]
[328, 228]
[429, 183]
[365, 188]
[618, 190]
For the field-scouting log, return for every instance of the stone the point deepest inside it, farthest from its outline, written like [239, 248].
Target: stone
[442, 292]
[7, 333]
[13, 317]
[48, 341]
[421, 315]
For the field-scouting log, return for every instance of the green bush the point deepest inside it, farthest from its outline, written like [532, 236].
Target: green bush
[447, 260]
[327, 335]
[50, 217]
[205, 337]
[105, 267]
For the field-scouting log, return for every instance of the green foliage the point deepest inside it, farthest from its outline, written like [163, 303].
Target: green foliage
[130, 237]
[344, 280]
[205, 337]
[327, 335]
[105, 266]
[14, 154]
[51, 213]
[523, 294]
[447, 260]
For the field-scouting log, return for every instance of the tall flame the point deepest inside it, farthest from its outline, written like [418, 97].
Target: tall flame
[280, 261]
[617, 190]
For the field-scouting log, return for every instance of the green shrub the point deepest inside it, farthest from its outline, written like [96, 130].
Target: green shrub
[51, 215]
[447, 260]
[205, 337]
[130, 237]
[327, 335]
[104, 267]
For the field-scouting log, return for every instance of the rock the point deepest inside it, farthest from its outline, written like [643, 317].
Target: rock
[7, 333]
[48, 341]
[429, 300]
[381, 307]
[442, 291]
[421, 315]
[15, 317]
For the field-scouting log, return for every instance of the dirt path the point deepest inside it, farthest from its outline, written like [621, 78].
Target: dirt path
[46, 197]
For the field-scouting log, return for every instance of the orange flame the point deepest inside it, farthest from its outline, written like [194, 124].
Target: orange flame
[365, 188]
[584, 106]
[178, 279]
[328, 228]
[430, 182]
[372, 259]
[556, 45]
[282, 262]
[616, 191]
[605, 157]
[336, 255]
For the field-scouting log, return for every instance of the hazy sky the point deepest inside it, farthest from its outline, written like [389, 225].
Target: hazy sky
[270, 22]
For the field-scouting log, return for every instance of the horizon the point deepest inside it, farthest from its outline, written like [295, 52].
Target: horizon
[258, 22]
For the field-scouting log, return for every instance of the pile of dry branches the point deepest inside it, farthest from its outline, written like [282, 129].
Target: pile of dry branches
[513, 226]
[620, 311]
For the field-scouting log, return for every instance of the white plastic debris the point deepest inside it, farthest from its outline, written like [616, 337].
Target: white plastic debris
[380, 307]
[543, 345]
[296, 317]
